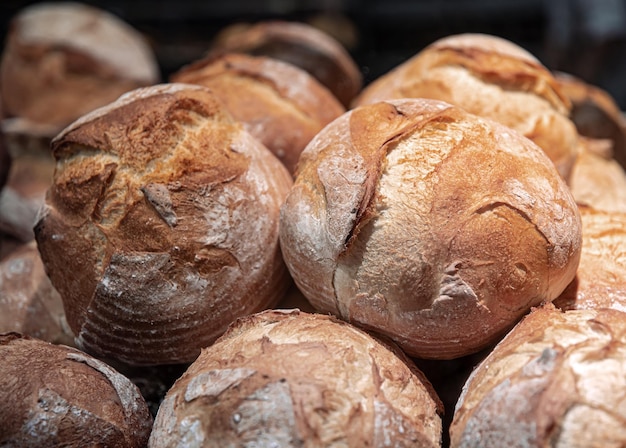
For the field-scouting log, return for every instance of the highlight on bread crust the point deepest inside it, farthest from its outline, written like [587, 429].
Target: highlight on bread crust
[161, 225]
[557, 379]
[278, 103]
[428, 224]
[288, 378]
[491, 77]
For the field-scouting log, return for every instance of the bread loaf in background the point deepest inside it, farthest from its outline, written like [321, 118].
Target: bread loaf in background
[278, 103]
[433, 226]
[62, 60]
[287, 378]
[491, 77]
[53, 395]
[601, 276]
[557, 379]
[161, 226]
[301, 45]
[29, 304]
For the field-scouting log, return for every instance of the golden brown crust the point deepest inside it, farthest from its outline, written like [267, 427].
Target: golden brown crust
[304, 380]
[53, 395]
[161, 226]
[430, 225]
[598, 180]
[490, 77]
[30, 305]
[557, 379]
[303, 46]
[279, 104]
[601, 276]
[61, 61]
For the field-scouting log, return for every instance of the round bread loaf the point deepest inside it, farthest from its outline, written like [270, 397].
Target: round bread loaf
[428, 224]
[56, 396]
[557, 379]
[278, 103]
[161, 226]
[62, 60]
[597, 180]
[29, 304]
[300, 380]
[491, 77]
[302, 45]
[601, 277]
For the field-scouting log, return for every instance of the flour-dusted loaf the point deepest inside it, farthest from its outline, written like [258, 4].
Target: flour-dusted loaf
[433, 226]
[557, 379]
[57, 396]
[278, 103]
[601, 276]
[29, 304]
[62, 60]
[161, 226]
[292, 379]
[302, 45]
[491, 77]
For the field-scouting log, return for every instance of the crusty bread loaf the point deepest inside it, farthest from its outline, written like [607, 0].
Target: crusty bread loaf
[278, 103]
[293, 379]
[557, 379]
[303, 46]
[62, 60]
[601, 277]
[428, 224]
[5, 157]
[491, 77]
[29, 304]
[161, 225]
[53, 396]
[597, 180]
[595, 113]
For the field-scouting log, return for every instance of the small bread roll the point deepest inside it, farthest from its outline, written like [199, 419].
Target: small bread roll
[491, 77]
[54, 396]
[278, 103]
[301, 45]
[597, 180]
[292, 379]
[601, 277]
[557, 379]
[595, 113]
[428, 224]
[29, 304]
[62, 60]
[161, 226]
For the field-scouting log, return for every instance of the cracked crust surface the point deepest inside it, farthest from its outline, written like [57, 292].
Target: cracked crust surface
[161, 226]
[430, 225]
[493, 78]
[557, 379]
[288, 378]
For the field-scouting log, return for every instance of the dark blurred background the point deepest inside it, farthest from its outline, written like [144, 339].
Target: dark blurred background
[586, 38]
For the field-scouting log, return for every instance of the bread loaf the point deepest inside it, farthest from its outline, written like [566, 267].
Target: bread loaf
[53, 396]
[557, 379]
[161, 226]
[299, 380]
[301, 45]
[601, 276]
[428, 224]
[62, 60]
[491, 77]
[29, 304]
[278, 103]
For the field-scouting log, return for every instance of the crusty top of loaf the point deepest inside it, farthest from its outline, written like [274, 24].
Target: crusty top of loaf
[89, 30]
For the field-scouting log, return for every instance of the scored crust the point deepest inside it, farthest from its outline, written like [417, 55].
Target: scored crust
[161, 226]
[428, 224]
